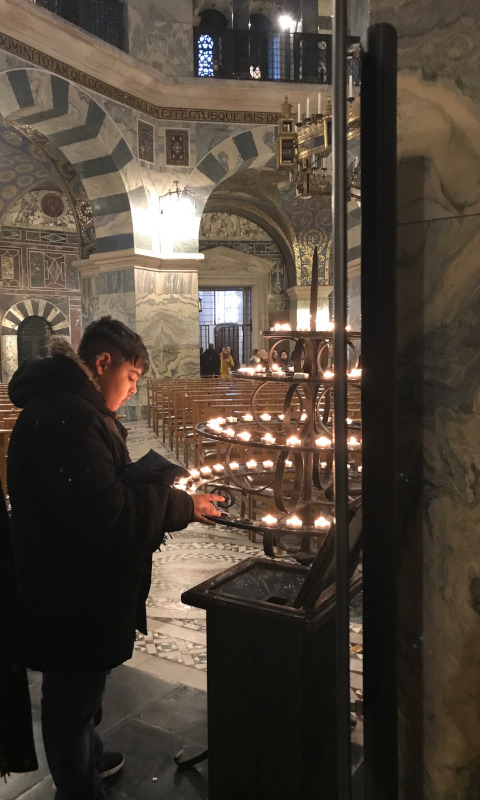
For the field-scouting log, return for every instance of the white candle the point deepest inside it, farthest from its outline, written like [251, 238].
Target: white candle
[266, 417]
[322, 522]
[281, 416]
[308, 106]
[205, 471]
[293, 441]
[234, 465]
[294, 522]
[194, 473]
[319, 103]
[247, 418]
[268, 439]
[299, 111]
[279, 373]
[354, 373]
[269, 520]
[231, 419]
[328, 373]
[251, 464]
[349, 421]
[323, 441]
[245, 435]
[359, 468]
[229, 432]
[303, 416]
[300, 374]
[288, 463]
[353, 442]
[268, 464]
[218, 468]
[350, 86]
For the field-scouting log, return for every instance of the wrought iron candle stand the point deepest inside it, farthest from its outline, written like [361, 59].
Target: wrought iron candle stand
[289, 427]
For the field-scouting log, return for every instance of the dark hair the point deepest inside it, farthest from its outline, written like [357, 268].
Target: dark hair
[112, 336]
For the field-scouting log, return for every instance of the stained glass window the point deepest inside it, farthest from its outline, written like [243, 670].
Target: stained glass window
[205, 56]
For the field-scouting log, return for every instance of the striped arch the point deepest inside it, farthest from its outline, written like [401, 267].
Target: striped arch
[38, 308]
[93, 144]
[12, 319]
[252, 148]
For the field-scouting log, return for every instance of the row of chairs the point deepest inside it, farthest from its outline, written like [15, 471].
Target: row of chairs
[8, 417]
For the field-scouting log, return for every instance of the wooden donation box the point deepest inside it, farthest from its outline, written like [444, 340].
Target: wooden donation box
[271, 679]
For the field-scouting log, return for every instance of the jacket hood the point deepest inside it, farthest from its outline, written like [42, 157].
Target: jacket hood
[58, 369]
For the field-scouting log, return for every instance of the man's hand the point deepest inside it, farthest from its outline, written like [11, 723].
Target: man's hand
[202, 504]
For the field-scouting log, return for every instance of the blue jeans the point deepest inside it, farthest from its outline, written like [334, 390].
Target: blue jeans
[71, 708]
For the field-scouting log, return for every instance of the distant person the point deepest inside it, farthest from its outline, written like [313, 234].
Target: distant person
[209, 362]
[226, 362]
[285, 361]
[263, 355]
[255, 358]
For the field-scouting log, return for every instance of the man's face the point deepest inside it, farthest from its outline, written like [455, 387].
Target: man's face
[116, 383]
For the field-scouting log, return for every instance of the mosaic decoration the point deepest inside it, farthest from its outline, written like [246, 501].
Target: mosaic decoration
[176, 148]
[146, 151]
[43, 150]
[9, 268]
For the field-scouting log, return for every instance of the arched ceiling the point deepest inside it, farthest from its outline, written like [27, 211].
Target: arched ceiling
[28, 160]
[260, 196]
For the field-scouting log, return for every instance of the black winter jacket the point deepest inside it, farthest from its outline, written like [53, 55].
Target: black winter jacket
[80, 535]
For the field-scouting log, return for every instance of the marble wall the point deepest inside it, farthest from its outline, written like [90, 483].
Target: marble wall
[160, 34]
[438, 394]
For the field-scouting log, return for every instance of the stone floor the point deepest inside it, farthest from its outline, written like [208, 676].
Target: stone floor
[155, 704]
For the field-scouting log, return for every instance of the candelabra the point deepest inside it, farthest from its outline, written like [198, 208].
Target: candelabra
[280, 454]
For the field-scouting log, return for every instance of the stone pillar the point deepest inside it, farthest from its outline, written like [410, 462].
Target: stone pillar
[300, 306]
[310, 16]
[157, 297]
[354, 296]
[438, 278]
[241, 14]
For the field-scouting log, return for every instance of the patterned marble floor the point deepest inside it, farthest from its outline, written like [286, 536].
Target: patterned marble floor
[175, 647]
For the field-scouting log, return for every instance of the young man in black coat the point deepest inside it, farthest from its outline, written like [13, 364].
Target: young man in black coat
[82, 536]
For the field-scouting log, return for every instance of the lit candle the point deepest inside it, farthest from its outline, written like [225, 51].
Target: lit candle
[269, 520]
[251, 464]
[194, 473]
[288, 463]
[323, 464]
[218, 468]
[234, 465]
[275, 367]
[353, 442]
[279, 373]
[231, 419]
[322, 522]
[349, 421]
[294, 522]
[359, 468]
[354, 373]
[319, 103]
[268, 464]
[299, 111]
[286, 326]
[229, 432]
[303, 416]
[300, 375]
[266, 417]
[308, 107]
[348, 327]
[247, 418]
[259, 368]
[268, 439]
[205, 471]
[323, 441]
[245, 435]
[281, 416]
[328, 373]
[293, 441]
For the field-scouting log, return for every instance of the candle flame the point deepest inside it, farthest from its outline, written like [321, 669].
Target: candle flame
[269, 520]
[294, 522]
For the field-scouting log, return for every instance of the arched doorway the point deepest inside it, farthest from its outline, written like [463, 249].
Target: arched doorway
[32, 334]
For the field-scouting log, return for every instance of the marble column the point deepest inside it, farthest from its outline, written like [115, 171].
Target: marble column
[158, 298]
[300, 306]
[241, 14]
[438, 395]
